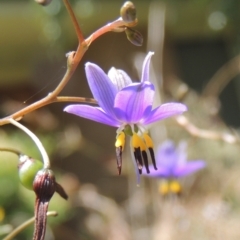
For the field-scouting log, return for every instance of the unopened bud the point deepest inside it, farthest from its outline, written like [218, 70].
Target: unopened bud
[134, 36]
[44, 187]
[43, 2]
[128, 12]
[44, 184]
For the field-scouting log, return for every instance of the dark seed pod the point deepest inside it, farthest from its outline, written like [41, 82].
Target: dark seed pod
[134, 36]
[44, 184]
[43, 2]
[128, 12]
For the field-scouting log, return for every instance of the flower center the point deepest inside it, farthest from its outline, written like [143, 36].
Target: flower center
[140, 143]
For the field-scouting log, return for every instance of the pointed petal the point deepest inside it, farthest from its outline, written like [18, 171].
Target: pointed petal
[189, 168]
[93, 113]
[135, 166]
[167, 156]
[102, 88]
[159, 173]
[182, 153]
[164, 111]
[146, 66]
[119, 78]
[133, 102]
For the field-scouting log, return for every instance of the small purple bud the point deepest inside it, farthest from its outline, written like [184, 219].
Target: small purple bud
[128, 12]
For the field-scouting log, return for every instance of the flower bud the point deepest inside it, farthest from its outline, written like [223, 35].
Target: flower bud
[44, 187]
[27, 170]
[128, 12]
[134, 36]
[43, 2]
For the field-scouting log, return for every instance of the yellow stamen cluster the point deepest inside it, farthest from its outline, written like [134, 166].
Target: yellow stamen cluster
[140, 143]
[168, 187]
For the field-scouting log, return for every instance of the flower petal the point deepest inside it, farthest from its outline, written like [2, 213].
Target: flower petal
[189, 168]
[164, 111]
[145, 68]
[102, 88]
[159, 173]
[119, 78]
[167, 156]
[134, 101]
[182, 153]
[93, 113]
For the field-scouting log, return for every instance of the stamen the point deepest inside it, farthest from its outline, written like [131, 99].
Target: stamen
[149, 144]
[119, 144]
[145, 158]
[153, 158]
[138, 159]
[119, 159]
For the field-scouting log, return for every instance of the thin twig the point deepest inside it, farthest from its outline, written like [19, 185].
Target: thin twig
[74, 21]
[117, 24]
[222, 77]
[19, 114]
[26, 224]
[202, 133]
[75, 99]
[73, 60]
[10, 150]
[38, 143]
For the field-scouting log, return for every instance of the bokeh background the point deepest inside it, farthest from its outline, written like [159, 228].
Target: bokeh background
[193, 40]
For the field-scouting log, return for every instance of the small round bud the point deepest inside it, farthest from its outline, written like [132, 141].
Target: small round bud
[128, 12]
[27, 170]
[43, 2]
[44, 184]
[134, 36]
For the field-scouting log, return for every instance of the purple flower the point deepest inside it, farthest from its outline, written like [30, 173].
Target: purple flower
[126, 105]
[172, 164]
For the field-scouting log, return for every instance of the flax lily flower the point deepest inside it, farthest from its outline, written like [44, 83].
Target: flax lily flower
[172, 165]
[126, 105]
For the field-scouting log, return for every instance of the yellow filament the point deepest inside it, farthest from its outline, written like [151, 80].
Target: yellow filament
[148, 140]
[120, 141]
[138, 142]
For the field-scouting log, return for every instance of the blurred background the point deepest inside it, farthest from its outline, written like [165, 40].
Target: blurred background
[196, 61]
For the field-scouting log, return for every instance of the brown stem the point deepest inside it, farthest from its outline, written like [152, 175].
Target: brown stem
[73, 60]
[43, 102]
[222, 77]
[117, 24]
[75, 99]
[203, 133]
[40, 219]
[74, 21]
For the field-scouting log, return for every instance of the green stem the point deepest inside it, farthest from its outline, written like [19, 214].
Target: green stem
[26, 224]
[10, 150]
[36, 140]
